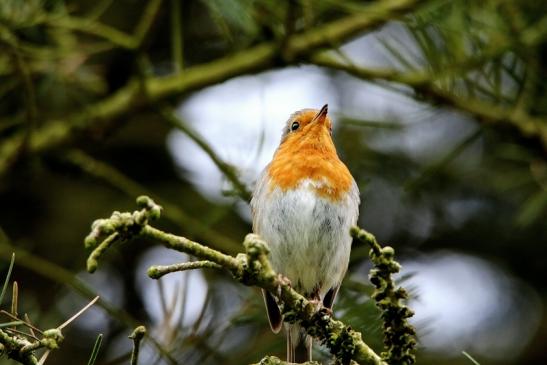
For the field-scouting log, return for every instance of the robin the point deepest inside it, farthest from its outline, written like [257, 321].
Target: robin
[303, 206]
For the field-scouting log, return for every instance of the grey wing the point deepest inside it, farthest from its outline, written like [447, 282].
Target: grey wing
[274, 314]
[354, 200]
[259, 193]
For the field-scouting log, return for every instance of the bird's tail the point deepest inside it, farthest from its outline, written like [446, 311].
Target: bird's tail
[299, 344]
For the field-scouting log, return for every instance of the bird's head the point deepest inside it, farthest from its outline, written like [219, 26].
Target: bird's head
[308, 125]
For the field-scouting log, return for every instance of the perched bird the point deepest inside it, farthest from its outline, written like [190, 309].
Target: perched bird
[303, 206]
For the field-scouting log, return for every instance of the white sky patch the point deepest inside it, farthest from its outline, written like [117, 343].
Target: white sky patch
[465, 303]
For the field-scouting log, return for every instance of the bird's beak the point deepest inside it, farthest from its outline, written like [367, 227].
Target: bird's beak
[321, 117]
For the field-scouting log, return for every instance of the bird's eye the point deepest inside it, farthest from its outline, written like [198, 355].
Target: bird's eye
[295, 126]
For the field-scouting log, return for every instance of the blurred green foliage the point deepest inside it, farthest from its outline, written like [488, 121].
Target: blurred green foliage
[81, 135]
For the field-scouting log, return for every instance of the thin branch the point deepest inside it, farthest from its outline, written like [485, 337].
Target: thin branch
[25, 323]
[92, 27]
[21, 333]
[79, 313]
[147, 20]
[399, 335]
[156, 272]
[44, 357]
[118, 180]
[137, 335]
[425, 86]
[227, 169]
[176, 36]
[8, 276]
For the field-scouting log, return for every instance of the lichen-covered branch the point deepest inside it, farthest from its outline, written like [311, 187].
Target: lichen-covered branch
[253, 268]
[399, 335]
[118, 180]
[156, 272]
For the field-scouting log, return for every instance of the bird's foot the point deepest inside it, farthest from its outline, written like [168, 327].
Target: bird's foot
[317, 304]
[282, 280]
[328, 311]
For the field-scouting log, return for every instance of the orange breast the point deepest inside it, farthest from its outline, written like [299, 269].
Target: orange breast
[310, 156]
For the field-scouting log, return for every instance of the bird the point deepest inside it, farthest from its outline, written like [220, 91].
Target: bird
[304, 203]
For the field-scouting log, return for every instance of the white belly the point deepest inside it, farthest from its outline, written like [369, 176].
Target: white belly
[308, 235]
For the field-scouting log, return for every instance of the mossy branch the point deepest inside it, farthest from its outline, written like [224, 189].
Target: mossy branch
[253, 268]
[139, 93]
[399, 335]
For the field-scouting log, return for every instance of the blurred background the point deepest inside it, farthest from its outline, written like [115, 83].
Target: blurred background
[439, 109]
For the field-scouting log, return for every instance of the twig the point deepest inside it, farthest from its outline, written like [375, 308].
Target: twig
[228, 170]
[176, 36]
[8, 276]
[475, 362]
[79, 313]
[92, 27]
[25, 323]
[147, 20]
[21, 332]
[115, 178]
[44, 357]
[137, 337]
[29, 324]
[156, 272]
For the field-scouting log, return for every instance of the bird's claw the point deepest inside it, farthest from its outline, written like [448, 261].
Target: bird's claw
[281, 281]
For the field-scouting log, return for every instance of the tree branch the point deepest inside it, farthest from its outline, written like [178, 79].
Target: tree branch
[116, 179]
[156, 272]
[106, 112]
[426, 85]
[254, 269]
